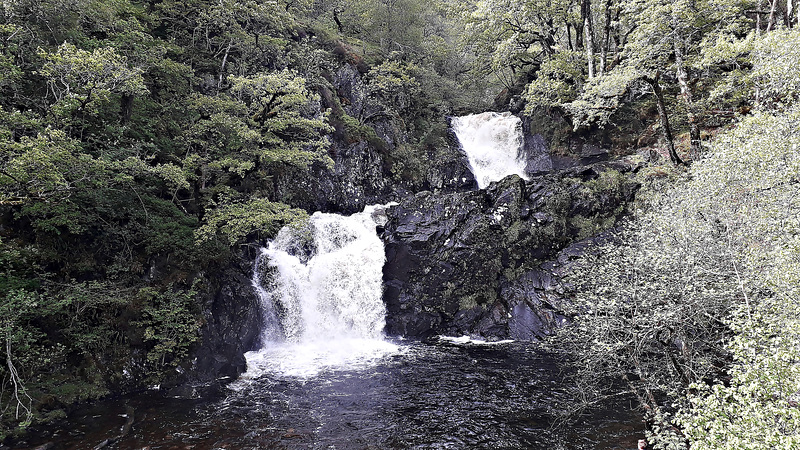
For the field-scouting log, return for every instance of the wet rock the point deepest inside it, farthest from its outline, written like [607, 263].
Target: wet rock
[537, 154]
[233, 321]
[482, 262]
[364, 171]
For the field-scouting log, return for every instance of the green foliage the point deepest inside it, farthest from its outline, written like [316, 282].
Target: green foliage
[9, 71]
[46, 166]
[754, 172]
[601, 97]
[44, 328]
[393, 82]
[512, 36]
[558, 81]
[281, 107]
[775, 58]
[693, 303]
[235, 221]
[170, 324]
[79, 79]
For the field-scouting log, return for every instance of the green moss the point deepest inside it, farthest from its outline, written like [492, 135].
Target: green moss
[468, 302]
[609, 181]
[586, 227]
[513, 232]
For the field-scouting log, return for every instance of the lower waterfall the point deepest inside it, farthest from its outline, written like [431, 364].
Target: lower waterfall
[320, 287]
[492, 142]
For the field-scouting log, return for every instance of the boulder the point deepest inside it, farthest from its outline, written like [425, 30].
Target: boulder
[233, 322]
[481, 263]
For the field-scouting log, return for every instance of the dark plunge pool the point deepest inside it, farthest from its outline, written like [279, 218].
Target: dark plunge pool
[441, 395]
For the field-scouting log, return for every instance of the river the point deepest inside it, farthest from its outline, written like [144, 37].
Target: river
[443, 394]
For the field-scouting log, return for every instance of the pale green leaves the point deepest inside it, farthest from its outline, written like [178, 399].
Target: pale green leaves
[395, 84]
[748, 193]
[558, 81]
[80, 75]
[9, 71]
[271, 118]
[601, 96]
[776, 59]
[41, 167]
[282, 109]
[763, 68]
[233, 222]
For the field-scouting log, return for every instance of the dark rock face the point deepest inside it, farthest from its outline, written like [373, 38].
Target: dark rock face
[538, 150]
[363, 157]
[233, 324]
[477, 262]
[448, 168]
[357, 179]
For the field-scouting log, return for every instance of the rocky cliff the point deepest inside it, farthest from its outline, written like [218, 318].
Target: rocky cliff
[373, 157]
[482, 262]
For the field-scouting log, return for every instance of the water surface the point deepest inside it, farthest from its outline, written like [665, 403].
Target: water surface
[441, 395]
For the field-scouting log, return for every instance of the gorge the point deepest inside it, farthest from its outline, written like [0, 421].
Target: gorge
[413, 324]
[588, 229]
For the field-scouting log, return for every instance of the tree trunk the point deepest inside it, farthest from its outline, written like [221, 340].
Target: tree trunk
[339, 25]
[604, 46]
[772, 11]
[588, 29]
[662, 114]
[569, 37]
[759, 5]
[789, 11]
[126, 108]
[222, 66]
[617, 45]
[688, 99]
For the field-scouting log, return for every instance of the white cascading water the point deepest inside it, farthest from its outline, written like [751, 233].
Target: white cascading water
[492, 142]
[321, 292]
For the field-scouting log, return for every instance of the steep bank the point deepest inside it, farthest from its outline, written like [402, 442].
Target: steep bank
[378, 156]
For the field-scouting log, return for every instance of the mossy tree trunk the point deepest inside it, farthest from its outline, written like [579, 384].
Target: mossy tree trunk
[662, 114]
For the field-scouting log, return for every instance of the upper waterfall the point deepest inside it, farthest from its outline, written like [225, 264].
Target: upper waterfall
[321, 291]
[492, 142]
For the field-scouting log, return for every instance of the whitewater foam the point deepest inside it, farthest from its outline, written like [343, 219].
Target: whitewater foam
[493, 143]
[321, 291]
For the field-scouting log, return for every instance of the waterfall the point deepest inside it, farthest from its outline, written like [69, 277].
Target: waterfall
[321, 293]
[492, 142]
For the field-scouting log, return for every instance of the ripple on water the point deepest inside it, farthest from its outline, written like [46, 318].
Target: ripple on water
[411, 395]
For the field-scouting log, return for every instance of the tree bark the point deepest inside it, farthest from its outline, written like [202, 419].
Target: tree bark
[772, 11]
[662, 114]
[789, 11]
[339, 25]
[604, 45]
[588, 29]
[758, 16]
[569, 37]
[222, 66]
[126, 108]
[688, 99]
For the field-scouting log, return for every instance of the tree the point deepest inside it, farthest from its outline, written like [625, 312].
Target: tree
[693, 303]
[78, 80]
[287, 115]
[511, 38]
